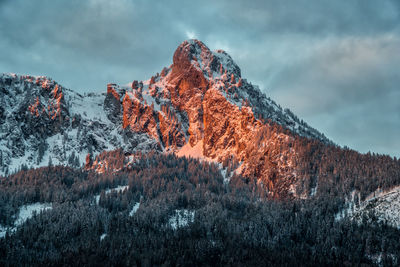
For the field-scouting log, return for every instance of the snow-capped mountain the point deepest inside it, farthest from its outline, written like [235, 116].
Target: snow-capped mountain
[199, 106]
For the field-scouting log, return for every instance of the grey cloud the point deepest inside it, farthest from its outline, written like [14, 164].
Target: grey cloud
[349, 89]
[318, 17]
[340, 73]
[319, 58]
[371, 126]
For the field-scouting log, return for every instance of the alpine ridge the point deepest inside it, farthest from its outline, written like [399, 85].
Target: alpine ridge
[200, 106]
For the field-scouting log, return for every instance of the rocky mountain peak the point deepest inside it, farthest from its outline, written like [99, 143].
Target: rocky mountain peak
[191, 51]
[193, 55]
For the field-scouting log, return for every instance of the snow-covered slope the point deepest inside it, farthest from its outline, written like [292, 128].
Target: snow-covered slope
[381, 206]
[25, 213]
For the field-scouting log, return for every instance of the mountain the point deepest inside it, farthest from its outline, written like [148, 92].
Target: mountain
[193, 166]
[199, 106]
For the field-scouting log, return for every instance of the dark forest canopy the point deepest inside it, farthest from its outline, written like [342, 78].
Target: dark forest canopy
[234, 223]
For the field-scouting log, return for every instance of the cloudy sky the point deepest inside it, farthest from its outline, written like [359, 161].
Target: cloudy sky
[336, 64]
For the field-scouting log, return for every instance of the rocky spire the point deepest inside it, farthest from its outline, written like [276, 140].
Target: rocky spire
[195, 54]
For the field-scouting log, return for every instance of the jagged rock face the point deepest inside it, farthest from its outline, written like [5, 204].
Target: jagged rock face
[170, 128]
[33, 108]
[140, 118]
[112, 103]
[43, 110]
[226, 133]
[193, 54]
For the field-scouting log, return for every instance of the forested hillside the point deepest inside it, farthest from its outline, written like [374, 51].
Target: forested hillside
[179, 211]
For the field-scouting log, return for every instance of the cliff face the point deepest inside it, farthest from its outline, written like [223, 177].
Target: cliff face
[199, 106]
